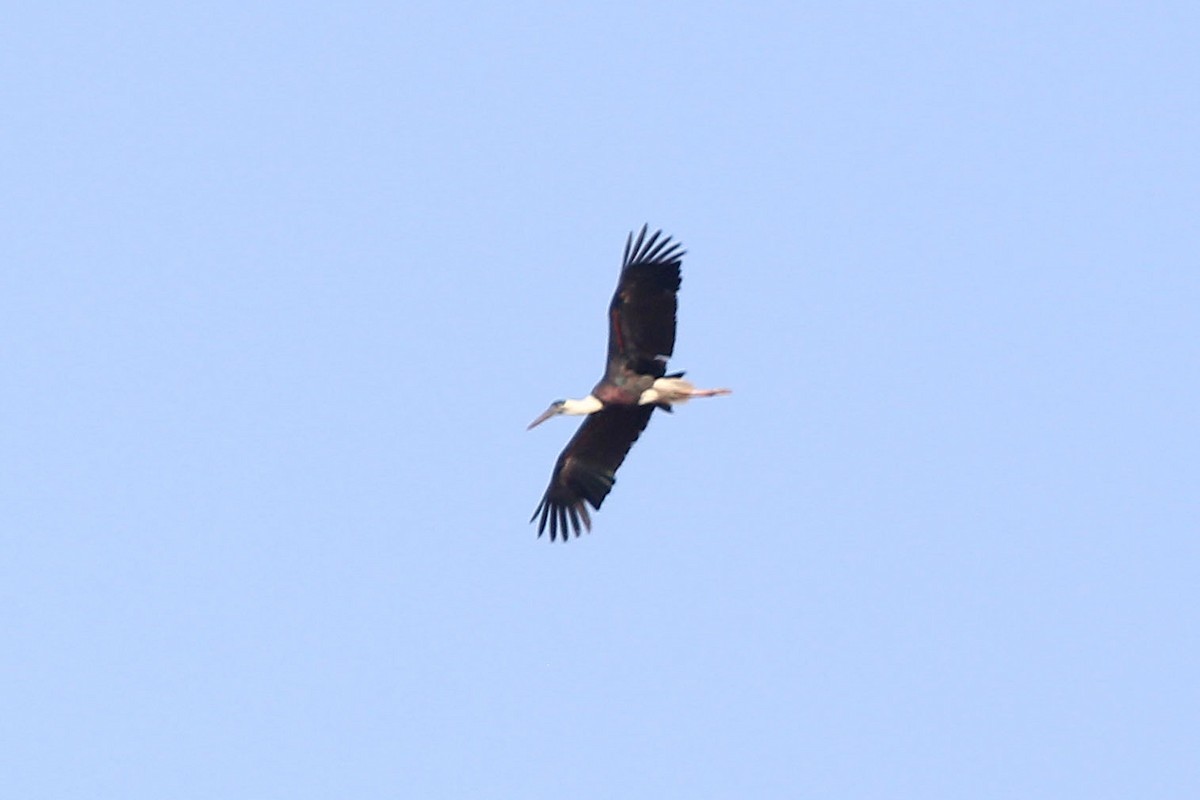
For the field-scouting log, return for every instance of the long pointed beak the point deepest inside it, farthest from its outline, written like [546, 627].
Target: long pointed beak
[547, 414]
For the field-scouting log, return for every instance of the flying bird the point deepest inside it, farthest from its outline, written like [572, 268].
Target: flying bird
[641, 336]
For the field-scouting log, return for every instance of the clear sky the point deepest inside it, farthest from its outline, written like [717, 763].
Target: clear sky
[283, 283]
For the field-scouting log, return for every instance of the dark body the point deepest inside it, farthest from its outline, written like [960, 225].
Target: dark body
[641, 336]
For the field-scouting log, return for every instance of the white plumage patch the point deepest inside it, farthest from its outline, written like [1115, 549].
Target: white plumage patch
[668, 390]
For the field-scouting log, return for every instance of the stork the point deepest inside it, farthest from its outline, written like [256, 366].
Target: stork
[641, 336]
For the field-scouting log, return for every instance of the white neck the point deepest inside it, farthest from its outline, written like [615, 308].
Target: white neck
[587, 405]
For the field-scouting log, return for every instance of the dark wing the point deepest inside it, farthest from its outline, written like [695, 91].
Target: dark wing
[586, 469]
[641, 317]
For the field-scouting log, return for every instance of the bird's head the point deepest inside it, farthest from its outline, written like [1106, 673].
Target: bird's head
[576, 408]
[556, 408]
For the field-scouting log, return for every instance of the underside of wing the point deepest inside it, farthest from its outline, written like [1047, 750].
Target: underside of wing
[642, 313]
[586, 470]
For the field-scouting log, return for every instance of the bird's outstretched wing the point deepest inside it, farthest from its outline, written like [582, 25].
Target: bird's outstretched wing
[586, 470]
[641, 317]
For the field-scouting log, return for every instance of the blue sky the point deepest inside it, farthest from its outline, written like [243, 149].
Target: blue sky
[284, 283]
